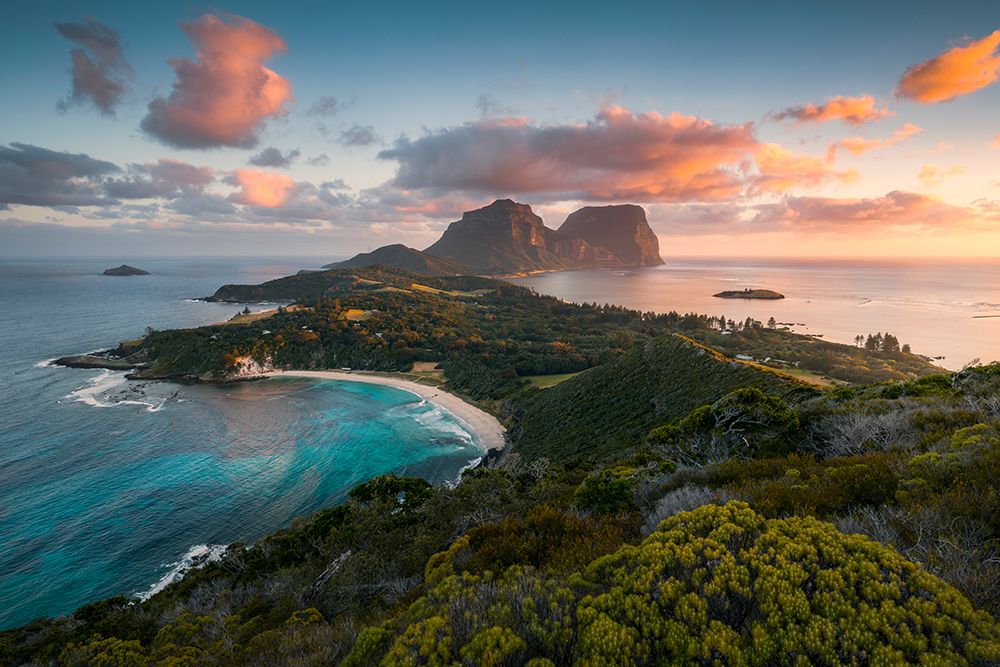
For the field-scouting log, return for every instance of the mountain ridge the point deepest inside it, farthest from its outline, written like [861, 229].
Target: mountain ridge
[405, 258]
[508, 237]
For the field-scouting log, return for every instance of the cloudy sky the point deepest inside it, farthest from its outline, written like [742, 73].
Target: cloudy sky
[320, 129]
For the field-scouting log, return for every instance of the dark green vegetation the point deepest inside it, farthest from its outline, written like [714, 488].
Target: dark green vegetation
[749, 294]
[865, 527]
[487, 334]
[867, 532]
[779, 349]
[406, 259]
[610, 407]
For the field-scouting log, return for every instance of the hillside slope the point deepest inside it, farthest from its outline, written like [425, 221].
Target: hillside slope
[614, 406]
[313, 285]
[401, 257]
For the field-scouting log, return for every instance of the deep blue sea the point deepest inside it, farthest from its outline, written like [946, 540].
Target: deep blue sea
[110, 487]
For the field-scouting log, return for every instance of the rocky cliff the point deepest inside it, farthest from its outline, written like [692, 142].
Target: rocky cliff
[621, 229]
[507, 237]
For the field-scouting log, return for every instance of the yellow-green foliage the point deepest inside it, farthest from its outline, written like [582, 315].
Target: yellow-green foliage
[972, 450]
[111, 652]
[720, 585]
[547, 540]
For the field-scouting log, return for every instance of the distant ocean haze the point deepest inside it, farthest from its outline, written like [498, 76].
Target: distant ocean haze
[947, 309]
[112, 487]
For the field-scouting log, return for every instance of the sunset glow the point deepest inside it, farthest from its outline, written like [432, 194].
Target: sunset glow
[238, 126]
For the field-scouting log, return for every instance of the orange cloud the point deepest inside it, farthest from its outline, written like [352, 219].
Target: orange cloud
[261, 188]
[958, 71]
[852, 110]
[930, 175]
[996, 142]
[782, 170]
[858, 145]
[618, 155]
[225, 96]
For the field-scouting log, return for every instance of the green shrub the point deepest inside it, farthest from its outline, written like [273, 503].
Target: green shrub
[746, 422]
[720, 585]
[605, 493]
[547, 539]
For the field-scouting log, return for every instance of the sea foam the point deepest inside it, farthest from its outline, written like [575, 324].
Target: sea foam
[197, 556]
[97, 393]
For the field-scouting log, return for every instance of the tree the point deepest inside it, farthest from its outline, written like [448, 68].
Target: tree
[605, 493]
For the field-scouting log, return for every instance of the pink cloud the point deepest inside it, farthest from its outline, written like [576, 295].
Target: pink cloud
[956, 72]
[895, 209]
[858, 145]
[262, 188]
[996, 142]
[618, 155]
[852, 110]
[226, 95]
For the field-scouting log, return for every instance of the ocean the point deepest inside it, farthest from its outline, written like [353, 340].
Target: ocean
[949, 310]
[112, 487]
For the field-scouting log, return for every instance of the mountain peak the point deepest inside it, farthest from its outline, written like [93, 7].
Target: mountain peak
[503, 211]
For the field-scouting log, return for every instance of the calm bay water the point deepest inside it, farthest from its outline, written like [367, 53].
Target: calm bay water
[110, 487]
[947, 309]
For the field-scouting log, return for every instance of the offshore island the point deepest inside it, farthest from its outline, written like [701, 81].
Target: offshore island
[748, 293]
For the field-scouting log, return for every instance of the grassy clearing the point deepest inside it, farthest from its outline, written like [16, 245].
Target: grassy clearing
[811, 378]
[452, 293]
[546, 381]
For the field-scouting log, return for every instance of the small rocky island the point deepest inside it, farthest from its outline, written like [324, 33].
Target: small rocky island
[750, 294]
[125, 270]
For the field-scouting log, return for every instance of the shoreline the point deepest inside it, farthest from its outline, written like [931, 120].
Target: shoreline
[487, 428]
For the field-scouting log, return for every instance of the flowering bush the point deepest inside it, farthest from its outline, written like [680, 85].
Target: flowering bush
[717, 585]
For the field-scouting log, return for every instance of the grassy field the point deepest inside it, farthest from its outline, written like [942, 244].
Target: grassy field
[546, 381]
[813, 378]
[451, 293]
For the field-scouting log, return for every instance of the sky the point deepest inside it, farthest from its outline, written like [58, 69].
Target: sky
[312, 128]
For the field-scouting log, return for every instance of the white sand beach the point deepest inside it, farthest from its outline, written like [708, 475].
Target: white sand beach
[490, 432]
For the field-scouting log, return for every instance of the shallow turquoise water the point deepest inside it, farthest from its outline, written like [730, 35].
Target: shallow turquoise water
[108, 486]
